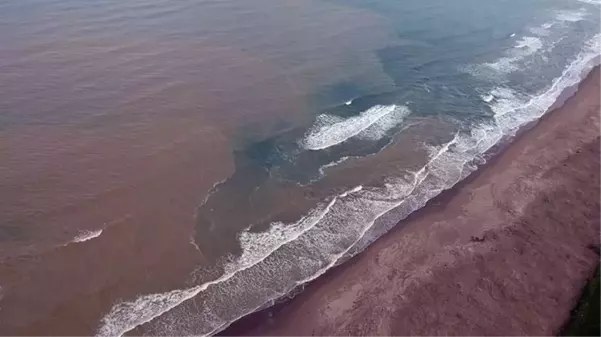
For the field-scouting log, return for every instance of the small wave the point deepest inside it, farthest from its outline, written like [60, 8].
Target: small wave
[592, 2]
[276, 261]
[487, 98]
[331, 130]
[542, 30]
[332, 164]
[506, 100]
[526, 46]
[257, 246]
[308, 247]
[87, 235]
[513, 110]
[125, 316]
[571, 16]
[213, 190]
[382, 126]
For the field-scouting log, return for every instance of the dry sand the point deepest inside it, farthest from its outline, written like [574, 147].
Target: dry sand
[505, 252]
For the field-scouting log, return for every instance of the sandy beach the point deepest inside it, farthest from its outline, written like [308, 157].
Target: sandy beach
[174, 168]
[505, 252]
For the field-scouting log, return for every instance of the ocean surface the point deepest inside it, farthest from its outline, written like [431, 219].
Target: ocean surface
[167, 167]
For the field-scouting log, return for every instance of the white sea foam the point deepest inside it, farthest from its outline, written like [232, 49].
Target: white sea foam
[506, 100]
[592, 2]
[376, 131]
[87, 235]
[330, 130]
[256, 247]
[524, 47]
[542, 30]
[319, 239]
[332, 164]
[487, 98]
[273, 263]
[513, 110]
[571, 15]
[544, 39]
[382, 126]
[313, 252]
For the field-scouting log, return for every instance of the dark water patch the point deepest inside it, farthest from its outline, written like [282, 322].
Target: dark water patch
[12, 233]
[274, 181]
[337, 93]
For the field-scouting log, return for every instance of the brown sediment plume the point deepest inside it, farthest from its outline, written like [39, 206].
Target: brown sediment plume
[504, 252]
[144, 200]
[128, 132]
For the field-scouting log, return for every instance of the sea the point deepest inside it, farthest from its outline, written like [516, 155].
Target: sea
[168, 167]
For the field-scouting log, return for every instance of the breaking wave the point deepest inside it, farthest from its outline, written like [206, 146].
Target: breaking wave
[512, 109]
[592, 2]
[87, 235]
[275, 262]
[571, 16]
[523, 48]
[330, 130]
[526, 48]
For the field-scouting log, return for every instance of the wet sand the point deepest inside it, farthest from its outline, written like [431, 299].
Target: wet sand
[505, 252]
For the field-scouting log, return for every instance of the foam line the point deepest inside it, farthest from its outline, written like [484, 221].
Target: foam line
[348, 216]
[524, 47]
[571, 16]
[513, 112]
[418, 177]
[461, 150]
[125, 316]
[382, 126]
[592, 2]
[332, 164]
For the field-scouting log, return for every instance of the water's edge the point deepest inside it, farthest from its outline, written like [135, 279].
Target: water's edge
[268, 310]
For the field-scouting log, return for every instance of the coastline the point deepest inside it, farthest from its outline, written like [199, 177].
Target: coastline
[491, 246]
[170, 168]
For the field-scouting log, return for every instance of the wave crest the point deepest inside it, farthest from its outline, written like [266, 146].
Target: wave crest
[330, 130]
[275, 262]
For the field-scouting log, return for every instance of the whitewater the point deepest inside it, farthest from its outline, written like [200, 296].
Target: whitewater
[331, 130]
[275, 262]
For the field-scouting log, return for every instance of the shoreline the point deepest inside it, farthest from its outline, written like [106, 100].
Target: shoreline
[278, 319]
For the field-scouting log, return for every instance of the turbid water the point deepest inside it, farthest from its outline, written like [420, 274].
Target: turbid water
[168, 167]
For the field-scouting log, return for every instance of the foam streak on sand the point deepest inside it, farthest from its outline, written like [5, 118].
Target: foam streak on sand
[275, 262]
[330, 130]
